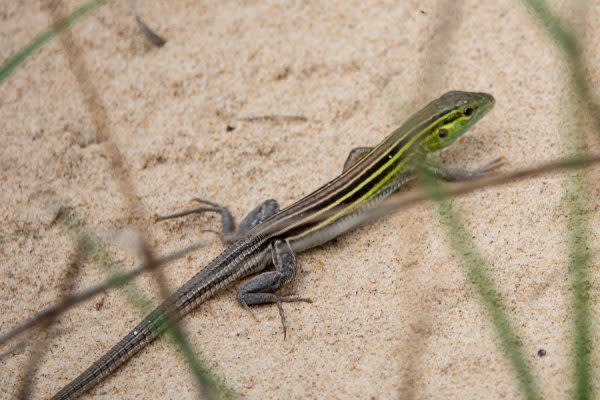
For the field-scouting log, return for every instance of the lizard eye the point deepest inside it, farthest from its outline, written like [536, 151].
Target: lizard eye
[468, 111]
[442, 133]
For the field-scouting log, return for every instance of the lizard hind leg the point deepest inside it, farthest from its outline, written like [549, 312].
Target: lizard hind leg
[229, 233]
[259, 289]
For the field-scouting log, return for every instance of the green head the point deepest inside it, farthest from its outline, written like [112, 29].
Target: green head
[452, 115]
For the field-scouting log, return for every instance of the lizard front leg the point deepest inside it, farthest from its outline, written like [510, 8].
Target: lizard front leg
[355, 155]
[229, 233]
[259, 289]
[460, 174]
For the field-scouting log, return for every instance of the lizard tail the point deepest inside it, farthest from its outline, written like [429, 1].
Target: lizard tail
[145, 332]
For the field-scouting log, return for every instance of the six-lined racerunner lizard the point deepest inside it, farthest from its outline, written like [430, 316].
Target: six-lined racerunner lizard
[269, 236]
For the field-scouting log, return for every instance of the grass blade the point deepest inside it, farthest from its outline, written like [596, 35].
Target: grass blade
[578, 201]
[579, 264]
[13, 62]
[460, 241]
[211, 385]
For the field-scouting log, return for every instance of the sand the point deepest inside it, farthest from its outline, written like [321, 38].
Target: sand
[394, 314]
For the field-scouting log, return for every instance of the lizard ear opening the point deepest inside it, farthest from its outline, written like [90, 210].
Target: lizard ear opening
[443, 133]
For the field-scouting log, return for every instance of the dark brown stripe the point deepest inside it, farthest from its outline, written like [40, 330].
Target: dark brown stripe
[283, 222]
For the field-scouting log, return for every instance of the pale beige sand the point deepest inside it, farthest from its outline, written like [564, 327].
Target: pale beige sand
[394, 314]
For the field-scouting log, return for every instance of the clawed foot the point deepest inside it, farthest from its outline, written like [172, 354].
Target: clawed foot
[288, 299]
[490, 167]
[279, 300]
[227, 235]
[212, 207]
[250, 311]
[460, 174]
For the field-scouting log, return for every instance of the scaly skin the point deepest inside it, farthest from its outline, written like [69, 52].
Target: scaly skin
[269, 236]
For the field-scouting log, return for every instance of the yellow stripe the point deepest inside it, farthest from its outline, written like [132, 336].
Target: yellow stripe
[350, 207]
[376, 189]
[373, 191]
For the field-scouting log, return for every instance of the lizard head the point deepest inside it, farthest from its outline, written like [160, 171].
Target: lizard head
[453, 114]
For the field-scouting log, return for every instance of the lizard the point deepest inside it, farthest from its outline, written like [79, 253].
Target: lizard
[268, 236]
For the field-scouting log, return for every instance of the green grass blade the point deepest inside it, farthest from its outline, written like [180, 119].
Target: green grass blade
[580, 258]
[568, 43]
[212, 385]
[13, 62]
[579, 263]
[460, 241]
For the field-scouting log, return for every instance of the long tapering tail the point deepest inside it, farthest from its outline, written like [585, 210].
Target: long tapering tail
[145, 332]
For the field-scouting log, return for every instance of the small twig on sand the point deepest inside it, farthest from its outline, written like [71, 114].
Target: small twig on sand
[275, 118]
[152, 36]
